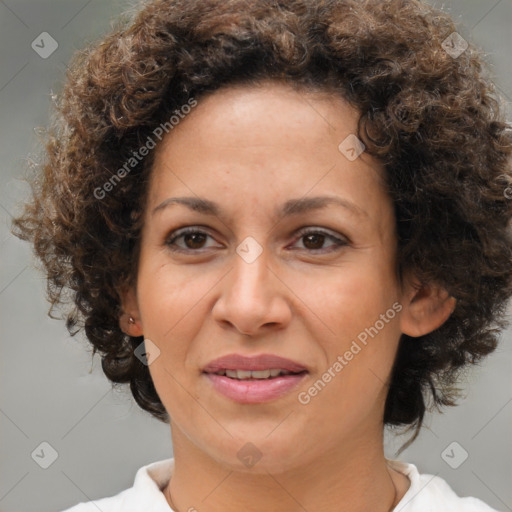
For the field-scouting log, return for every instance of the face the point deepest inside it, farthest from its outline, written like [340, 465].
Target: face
[267, 270]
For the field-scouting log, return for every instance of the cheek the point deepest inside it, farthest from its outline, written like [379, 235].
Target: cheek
[353, 299]
[171, 304]
[363, 330]
[168, 296]
[353, 383]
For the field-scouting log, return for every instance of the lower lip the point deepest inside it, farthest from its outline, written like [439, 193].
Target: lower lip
[254, 391]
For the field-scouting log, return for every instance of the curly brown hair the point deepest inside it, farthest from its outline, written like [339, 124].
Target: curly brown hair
[433, 120]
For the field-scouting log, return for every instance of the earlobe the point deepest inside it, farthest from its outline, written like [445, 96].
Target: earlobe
[425, 308]
[129, 321]
[130, 325]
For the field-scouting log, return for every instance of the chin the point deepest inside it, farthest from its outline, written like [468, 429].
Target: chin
[264, 454]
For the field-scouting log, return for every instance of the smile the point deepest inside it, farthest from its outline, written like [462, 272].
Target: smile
[256, 374]
[254, 379]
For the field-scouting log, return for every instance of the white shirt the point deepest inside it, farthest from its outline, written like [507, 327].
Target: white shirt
[427, 493]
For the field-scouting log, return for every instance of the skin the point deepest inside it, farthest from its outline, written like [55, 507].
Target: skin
[250, 149]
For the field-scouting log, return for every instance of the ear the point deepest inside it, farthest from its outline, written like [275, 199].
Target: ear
[425, 308]
[129, 321]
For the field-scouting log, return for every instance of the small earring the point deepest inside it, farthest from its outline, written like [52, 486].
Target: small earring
[131, 320]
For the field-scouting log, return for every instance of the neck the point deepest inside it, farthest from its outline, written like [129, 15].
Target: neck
[355, 479]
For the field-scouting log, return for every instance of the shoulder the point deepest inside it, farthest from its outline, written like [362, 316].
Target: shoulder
[430, 493]
[145, 494]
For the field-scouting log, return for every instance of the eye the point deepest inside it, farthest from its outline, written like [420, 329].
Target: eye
[193, 238]
[314, 239]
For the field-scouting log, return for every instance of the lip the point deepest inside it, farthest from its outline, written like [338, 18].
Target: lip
[255, 363]
[258, 390]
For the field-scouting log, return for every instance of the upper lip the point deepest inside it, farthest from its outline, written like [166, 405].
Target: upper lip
[253, 363]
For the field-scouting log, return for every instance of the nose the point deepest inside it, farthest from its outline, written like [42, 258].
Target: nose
[253, 298]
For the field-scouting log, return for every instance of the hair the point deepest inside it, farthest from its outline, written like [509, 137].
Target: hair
[432, 119]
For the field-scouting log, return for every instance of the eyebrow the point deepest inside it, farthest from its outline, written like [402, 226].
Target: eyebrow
[289, 208]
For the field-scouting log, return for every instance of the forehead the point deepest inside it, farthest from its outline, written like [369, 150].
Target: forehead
[256, 147]
[249, 116]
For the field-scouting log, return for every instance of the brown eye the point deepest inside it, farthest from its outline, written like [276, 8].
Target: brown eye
[313, 240]
[193, 239]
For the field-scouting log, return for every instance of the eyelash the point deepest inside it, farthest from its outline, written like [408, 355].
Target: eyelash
[175, 235]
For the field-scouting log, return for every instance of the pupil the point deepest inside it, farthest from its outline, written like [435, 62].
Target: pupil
[314, 237]
[194, 237]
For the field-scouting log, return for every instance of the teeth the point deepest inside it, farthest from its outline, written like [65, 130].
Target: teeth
[261, 374]
[256, 374]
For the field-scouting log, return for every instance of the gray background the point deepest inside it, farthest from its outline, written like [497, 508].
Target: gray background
[51, 390]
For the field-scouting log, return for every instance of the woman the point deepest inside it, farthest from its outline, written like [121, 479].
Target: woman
[285, 225]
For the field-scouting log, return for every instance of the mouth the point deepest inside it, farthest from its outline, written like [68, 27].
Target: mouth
[255, 379]
[256, 374]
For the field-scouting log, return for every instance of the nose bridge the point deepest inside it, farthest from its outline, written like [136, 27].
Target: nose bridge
[251, 260]
[251, 274]
[250, 296]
